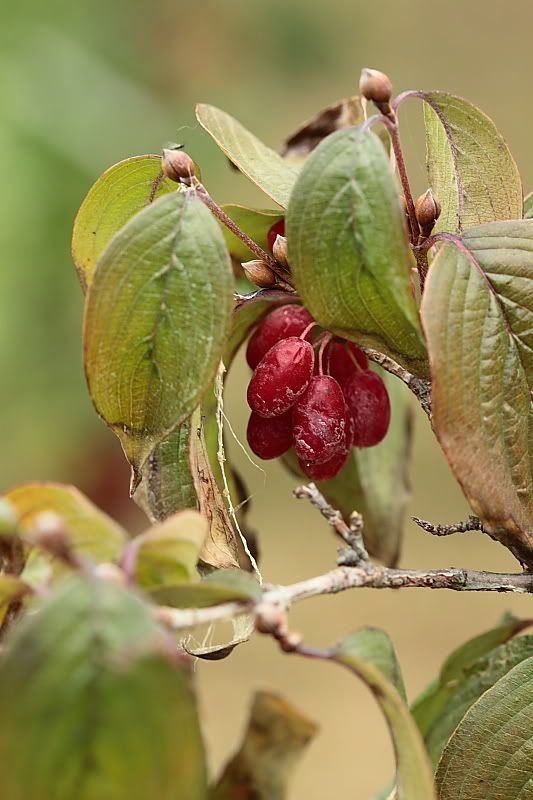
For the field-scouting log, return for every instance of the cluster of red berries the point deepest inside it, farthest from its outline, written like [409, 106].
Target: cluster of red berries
[322, 406]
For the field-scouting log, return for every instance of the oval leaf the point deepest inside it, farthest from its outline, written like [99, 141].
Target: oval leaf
[117, 195]
[90, 531]
[275, 739]
[477, 311]
[93, 706]
[370, 655]
[259, 163]
[348, 247]
[221, 586]
[489, 754]
[471, 169]
[156, 319]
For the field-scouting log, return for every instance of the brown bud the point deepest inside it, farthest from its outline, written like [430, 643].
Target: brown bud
[291, 642]
[259, 273]
[376, 86]
[270, 619]
[279, 250]
[48, 531]
[427, 210]
[178, 166]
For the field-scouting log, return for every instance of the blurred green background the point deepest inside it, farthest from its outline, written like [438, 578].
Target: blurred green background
[83, 85]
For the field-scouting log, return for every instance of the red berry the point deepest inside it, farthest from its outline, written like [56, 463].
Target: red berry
[269, 437]
[279, 324]
[342, 359]
[327, 470]
[277, 229]
[319, 421]
[281, 377]
[368, 401]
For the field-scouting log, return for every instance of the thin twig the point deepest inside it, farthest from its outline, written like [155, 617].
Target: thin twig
[470, 524]
[420, 387]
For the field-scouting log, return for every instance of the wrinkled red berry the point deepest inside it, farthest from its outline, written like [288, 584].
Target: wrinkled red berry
[277, 229]
[281, 377]
[327, 470]
[368, 401]
[319, 421]
[269, 437]
[341, 360]
[279, 324]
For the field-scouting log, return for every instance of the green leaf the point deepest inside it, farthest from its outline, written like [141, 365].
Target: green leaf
[370, 655]
[95, 705]
[489, 755]
[12, 588]
[254, 222]
[259, 163]
[471, 169]
[8, 519]
[477, 311]
[91, 532]
[275, 739]
[465, 675]
[118, 194]
[348, 247]
[375, 480]
[220, 586]
[528, 206]
[157, 316]
[167, 553]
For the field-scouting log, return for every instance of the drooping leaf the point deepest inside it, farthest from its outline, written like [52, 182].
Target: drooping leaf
[477, 311]
[91, 532]
[254, 222]
[469, 672]
[117, 195]
[528, 206]
[275, 739]
[167, 553]
[259, 163]
[370, 655]
[344, 113]
[348, 247]
[157, 316]
[489, 754]
[93, 706]
[471, 169]
[375, 480]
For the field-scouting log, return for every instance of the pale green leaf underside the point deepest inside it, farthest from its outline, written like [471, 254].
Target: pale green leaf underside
[156, 319]
[118, 194]
[478, 317]
[348, 247]
[369, 653]
[91, 706]
[254, 222]
[471, 169]
[266, 168]
[489, 755]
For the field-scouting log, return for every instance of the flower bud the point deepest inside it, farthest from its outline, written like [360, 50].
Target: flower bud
[376, 86]
[427, 210]
[270, 619]
[49, 532]
[259, 273]
[279, 250]
[177, 165]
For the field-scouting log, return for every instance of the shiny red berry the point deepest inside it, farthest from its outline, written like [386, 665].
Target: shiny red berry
[319, 421]
[277, 229]
[269, 437]
[327, 470]
[368, 401]
[281, 377]
[342, 360]
[279, 324]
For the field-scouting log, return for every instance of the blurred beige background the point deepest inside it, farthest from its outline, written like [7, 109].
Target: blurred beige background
[85, 84]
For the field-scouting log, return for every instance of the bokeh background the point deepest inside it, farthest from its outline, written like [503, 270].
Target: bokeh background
[85, 84]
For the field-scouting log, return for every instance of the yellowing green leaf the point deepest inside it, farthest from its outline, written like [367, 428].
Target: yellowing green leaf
[157, 316]
[471, 169]
[259, 163]
[117, 195]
